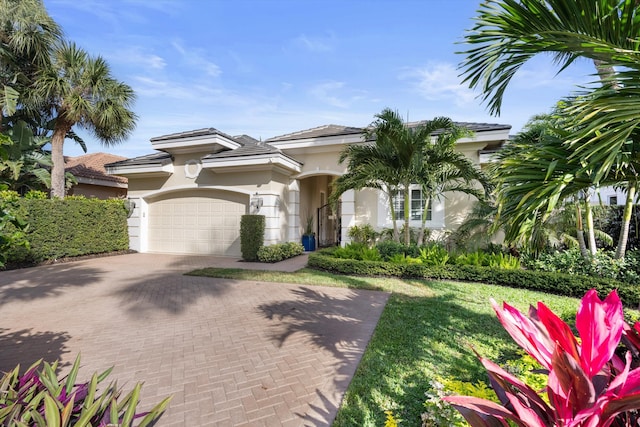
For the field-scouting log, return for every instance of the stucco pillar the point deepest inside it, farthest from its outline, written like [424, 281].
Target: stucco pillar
[271, 210]
[293, 233]
[348, 215]
[139, 226]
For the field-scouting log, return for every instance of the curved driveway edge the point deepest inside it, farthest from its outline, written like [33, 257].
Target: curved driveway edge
[230, 352]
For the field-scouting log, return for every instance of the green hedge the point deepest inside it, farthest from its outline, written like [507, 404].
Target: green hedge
[71, 227]
[555, 283]
[280, 251]
[251, 236]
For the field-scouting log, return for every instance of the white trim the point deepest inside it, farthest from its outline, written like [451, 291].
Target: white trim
[194, 144]
[187, 171]
[178, 188]
[166, 168]
[318, 172]
[486, 136]
[317, 142]
[269, 160]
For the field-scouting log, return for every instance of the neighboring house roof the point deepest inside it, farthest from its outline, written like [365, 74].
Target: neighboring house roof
[90, 168]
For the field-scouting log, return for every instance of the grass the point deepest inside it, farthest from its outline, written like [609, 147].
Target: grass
[426, 331]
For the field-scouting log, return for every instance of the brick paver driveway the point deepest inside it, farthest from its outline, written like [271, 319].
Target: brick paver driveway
[230, 352]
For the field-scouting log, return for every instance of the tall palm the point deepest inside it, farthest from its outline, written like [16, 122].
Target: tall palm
[445, 170]
[27, 38]
[508, 33]
[535, 174]
[392, 161]
[80, 90]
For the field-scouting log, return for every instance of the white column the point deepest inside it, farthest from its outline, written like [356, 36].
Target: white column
[348, 215]
[271, 210]
[293, 233]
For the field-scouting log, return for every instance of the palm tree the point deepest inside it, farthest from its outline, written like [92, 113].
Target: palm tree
[508, 33]
[80, 90]
[535, 174]
[445, 170]
[398, 156]
[27, 38]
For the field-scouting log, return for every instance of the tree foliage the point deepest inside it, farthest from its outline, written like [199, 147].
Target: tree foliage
[396, 155]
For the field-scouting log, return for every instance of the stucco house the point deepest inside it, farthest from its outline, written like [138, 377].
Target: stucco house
[189, 196]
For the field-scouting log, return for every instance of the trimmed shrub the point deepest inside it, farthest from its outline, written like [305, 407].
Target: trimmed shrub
[251, 236]
[71, 227]
[12, 225]
[554, 283]
[279, 251]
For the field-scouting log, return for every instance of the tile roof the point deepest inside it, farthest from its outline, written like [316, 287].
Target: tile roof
[318, 132]
[148, 159]
[92, 165]
[251, 146]
[190, 134]
[335, 130]
[475, 127]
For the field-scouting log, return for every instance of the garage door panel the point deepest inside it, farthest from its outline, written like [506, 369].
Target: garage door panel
[197, 222]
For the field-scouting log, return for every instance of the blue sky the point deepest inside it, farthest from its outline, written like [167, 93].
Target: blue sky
[266, 67]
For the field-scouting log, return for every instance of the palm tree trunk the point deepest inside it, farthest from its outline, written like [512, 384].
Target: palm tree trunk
[57, 159]
[580, 231]
[407, 207]
[392, 209]
[423, 227]
[626, 221]
[590, 228]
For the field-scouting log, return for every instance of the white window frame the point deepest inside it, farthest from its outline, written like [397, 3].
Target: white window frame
[437, 220]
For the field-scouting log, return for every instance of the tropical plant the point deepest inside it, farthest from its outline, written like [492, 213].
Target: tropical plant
[391, 160]
[27, 37]
[80, 91]
[588, 384]
[38, 398]
[604, 123]
[434, 255]
[443, 170]
[308, 225]
[363, 234]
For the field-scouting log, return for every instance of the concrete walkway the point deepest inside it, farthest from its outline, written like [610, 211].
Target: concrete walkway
[232, 353]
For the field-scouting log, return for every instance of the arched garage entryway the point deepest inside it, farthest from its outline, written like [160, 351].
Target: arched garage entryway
[200, 221]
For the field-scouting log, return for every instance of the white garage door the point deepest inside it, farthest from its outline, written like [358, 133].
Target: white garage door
[197, 222]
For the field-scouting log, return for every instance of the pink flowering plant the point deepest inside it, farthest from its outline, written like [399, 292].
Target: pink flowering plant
[589, 383]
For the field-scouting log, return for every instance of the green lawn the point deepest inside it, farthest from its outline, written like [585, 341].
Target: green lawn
[426, 330]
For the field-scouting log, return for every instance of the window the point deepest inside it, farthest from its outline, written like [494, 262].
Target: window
[416, 205]
[613, 200]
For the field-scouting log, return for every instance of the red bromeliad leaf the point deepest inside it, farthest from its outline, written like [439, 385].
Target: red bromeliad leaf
[632, 337]
[482, 413]
[571, 388]
[600, 324]
[526, 414]
[509, 387]
[559, 331]
[529, 335]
